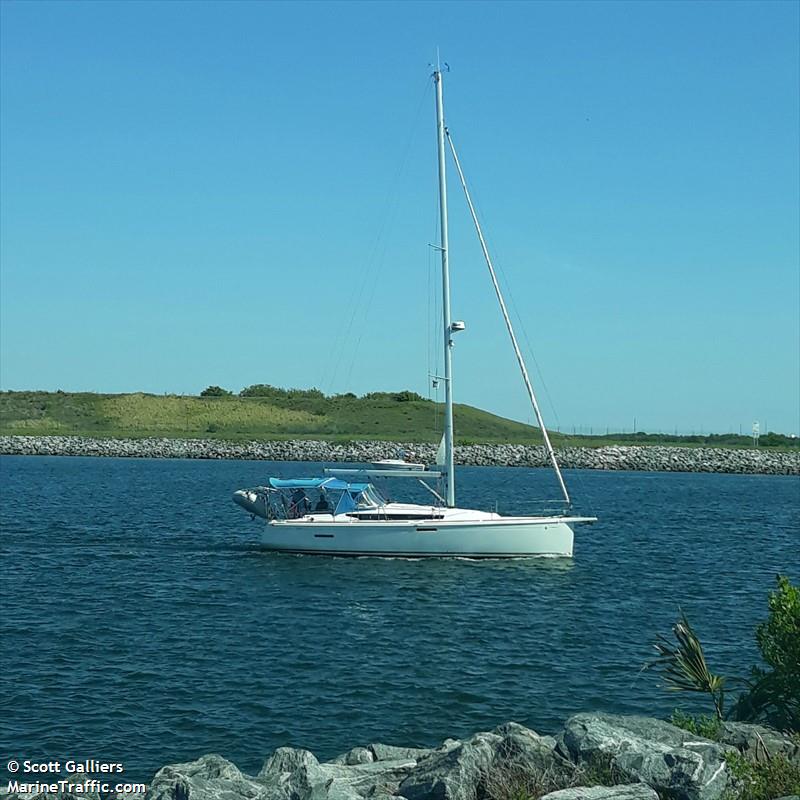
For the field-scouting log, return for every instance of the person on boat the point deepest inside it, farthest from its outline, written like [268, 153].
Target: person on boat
[323, 506]
[299, 504]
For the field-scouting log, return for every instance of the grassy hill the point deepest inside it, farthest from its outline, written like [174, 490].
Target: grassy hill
[285, 415]
[264, 412]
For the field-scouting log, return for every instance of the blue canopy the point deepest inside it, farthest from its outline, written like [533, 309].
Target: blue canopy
[316, 483]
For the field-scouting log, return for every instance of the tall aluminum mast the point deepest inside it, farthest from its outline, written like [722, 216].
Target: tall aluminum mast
[449, 464]
[549, 447]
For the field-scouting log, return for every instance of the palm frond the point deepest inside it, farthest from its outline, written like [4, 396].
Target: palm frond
[684, 666]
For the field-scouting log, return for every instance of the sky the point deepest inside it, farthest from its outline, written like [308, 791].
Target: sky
[231, 193]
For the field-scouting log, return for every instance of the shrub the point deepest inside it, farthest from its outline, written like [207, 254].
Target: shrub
[772, 439]
[266, 390]
[517, 779]
[377, 396]
[778, 636]
[773, 696]
[764, 780]
[701, 725]
[405, 396]
[521, 784]
[215, 391]
[311, 394]
[262, 390]
[600, 770]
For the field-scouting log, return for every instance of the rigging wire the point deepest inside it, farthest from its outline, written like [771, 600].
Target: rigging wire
[547, 443]
[508, 292]
[393, 212]
[567, 440]
[518, 316]
[435, 341]
[373, 266]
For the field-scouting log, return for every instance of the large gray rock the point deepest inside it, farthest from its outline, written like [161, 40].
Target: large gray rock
[381, 752]
[669, 759]
[357, 755]
[757, 743]
[290, 774]
[629, 791]
[209, 778]
[388, 752]
[526, 748]
[454, 773]
[379, 778]
[488, 764]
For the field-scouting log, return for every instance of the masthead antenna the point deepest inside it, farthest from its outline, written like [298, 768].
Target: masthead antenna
[437, 67]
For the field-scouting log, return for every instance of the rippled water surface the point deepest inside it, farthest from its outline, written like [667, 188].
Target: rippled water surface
[140, 623]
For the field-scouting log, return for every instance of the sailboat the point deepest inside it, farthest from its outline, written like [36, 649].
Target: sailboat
[344, 512]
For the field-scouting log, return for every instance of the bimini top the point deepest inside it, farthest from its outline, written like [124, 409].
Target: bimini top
[316, 483]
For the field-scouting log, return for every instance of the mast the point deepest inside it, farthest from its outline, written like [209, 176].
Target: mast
[449, 464]
[549, 447]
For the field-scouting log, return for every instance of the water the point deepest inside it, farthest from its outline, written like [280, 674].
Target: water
[140, 624]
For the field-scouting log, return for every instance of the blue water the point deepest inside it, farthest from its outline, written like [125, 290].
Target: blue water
[140, 623]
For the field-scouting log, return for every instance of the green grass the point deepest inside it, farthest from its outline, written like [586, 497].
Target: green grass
[773, 777]
[281, 414]
[236, 418]
[701, 725]
[766, 780]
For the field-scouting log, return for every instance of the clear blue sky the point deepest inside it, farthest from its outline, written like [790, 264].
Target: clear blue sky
[238, 193]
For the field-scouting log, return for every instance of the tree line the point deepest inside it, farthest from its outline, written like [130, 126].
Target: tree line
[266, 390]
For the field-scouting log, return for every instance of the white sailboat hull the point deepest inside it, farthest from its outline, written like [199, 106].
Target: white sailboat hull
[512, 537]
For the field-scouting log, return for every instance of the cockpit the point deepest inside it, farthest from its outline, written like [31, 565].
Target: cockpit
[294, 498]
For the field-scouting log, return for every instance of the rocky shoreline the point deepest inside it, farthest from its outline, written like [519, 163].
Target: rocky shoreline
[643, 458]
[594, 757]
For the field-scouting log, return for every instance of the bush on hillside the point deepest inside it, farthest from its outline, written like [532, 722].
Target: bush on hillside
[405, 396]
[215, 391]
[266, 390]
[262, 390]
[310, 394]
